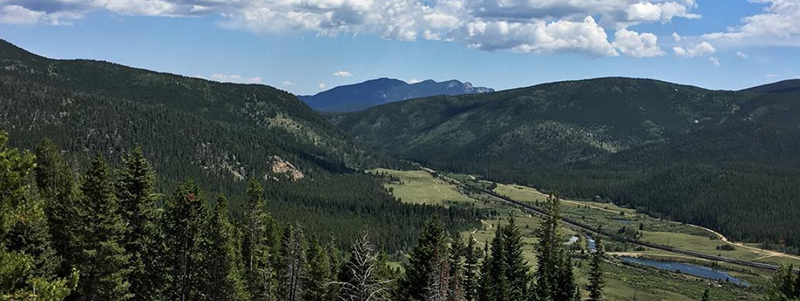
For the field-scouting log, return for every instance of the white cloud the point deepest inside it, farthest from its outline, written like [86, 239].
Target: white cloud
[15, 14]
[702, 49]
[535, 26]
[322, 85]
[413, 81]
[288, 83]
[777, 25]
[714, 61]
[637, 45]
[343, 74]
[742, 54]
[541, 37]
[771, 75]
[676, 37]
[234, 78]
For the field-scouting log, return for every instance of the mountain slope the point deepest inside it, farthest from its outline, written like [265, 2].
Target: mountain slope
[701, 156]
[552, 123]
[786, 86]
[384, 90]
[63, 91]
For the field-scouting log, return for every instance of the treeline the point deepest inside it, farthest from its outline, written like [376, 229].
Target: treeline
[100, 237]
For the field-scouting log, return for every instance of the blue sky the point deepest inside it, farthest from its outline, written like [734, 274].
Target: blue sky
[305, 46]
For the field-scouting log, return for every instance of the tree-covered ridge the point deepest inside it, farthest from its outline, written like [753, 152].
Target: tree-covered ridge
[64, 89]
[721, 159]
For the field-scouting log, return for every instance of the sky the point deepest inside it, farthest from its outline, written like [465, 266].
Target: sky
[307, 46]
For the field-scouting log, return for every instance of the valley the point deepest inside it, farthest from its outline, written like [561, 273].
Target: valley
[421, 186]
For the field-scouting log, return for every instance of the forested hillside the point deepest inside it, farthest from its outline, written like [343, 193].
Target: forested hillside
[721, 159]
[217, 135]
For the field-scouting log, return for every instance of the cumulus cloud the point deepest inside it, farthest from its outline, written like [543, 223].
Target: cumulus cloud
[342, 74]
[413, 81]
[676, 37]
[742, 54]
[322, 85]
[777, 25]
[288, 83]
[528, 26]
[234, 78]
[634, 44]
[702, 49]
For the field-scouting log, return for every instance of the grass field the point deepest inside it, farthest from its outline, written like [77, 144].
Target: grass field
[420, 187]
[624, 282]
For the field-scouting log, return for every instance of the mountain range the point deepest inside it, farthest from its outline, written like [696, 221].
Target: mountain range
[722, 159]
[384, 90]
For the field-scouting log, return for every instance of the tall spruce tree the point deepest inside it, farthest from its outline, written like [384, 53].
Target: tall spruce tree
[186, 230]
[226, 281]
[103, 262]
[456, 290]
[596, 281]
[433, 240]
[496, 285]
[293, 266]
[319, 272]
[553, 277]
[516, 267]
[785, 285]
[471, 273]
[260, 246]
[143, 239]
[56, 183]
[437, 287]
[335, 268]
[27, 269]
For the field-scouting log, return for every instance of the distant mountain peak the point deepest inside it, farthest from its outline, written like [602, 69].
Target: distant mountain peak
[383, 90]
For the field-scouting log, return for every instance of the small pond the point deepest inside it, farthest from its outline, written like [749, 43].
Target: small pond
[687, 268]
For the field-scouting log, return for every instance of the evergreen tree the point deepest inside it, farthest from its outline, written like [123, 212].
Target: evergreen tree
[143, 241]
[56, 183]
[292, 265]
[438, 284]
[471, 273]
[335, 268]
[103, 262]
[319, 272]
[496, 285]
[28, 264]
[186, 235]
[785, 285]
[596, 282]
[457, 249]
[358, 280]
[226, 271]
[433, 240]
[260, 245]
[554, 278]
[516, 267]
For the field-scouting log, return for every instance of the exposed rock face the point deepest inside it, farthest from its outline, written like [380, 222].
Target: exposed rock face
[283, 167]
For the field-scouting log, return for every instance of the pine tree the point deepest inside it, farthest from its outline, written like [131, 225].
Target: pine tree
[335, 268]
[28, 264]
[319, 272]
[186, 234]
[516, 267]
[143, 240]
[56, 183]
[457, 249]
[226, 272]
[292, 265]
[260, 245]
[471, 273]
[785, 285]
[358, 280]
[596, 282]
[432, 240]
[438, 283]
[497, 286]
[553, 275]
